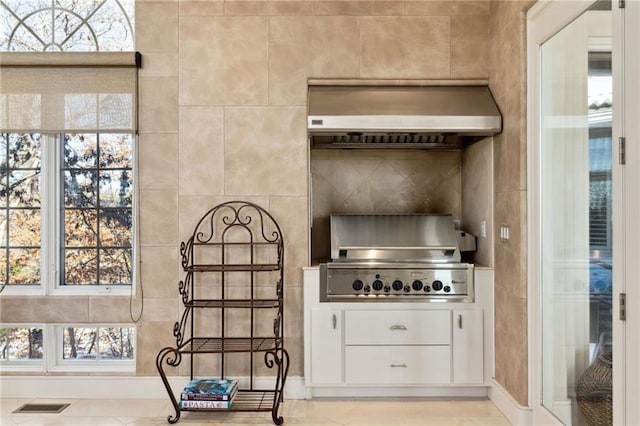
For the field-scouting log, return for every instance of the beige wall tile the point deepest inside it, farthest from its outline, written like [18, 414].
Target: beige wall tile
[404, 47]
[160, 271]
[157, 161]
[192, 208]
[293, 330]
[201, 7]
[510, 148]
[222, 62]
[41, 309]
[201, 155]
[158, 105]
[159, 210]
[159, 64]
[300, 48]
[157, 309]
[511, 356]
[511, 254]
[150, 339]
[447, 8]
[359, 8]
[291, 213]
[268, 8]
[105, 309]
[470, 46]
[156, 26]
[265, 151]
[477, 197]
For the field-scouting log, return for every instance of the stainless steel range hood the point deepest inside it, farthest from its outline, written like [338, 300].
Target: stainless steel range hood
[424, 117]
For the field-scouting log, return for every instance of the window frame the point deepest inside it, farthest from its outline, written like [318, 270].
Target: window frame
[52, 216]
[54, 356]
[28, 365]
[52, 351]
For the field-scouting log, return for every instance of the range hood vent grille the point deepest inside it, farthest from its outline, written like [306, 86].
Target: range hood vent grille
[423, 117]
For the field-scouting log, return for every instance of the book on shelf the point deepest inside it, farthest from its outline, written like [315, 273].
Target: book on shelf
[204, 404]
[210, 390]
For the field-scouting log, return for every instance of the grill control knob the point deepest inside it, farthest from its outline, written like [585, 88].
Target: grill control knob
[427, 289]
[417, 285]
[407, 289]
[367, 289]
[437, 285]
[377, 285]
[357, 285]
[397, 285]
[387, 289]
[447, 289]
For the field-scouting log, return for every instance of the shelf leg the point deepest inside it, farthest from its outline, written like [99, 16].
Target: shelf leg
[280, 358]
[172, 357]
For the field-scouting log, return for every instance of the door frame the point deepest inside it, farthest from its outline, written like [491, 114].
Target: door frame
[544, 20]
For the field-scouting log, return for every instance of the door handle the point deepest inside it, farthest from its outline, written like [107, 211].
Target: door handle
[334, 321]
[398, 327]
[460, 321]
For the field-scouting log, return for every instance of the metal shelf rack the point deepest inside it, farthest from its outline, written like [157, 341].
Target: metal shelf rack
[235, 247]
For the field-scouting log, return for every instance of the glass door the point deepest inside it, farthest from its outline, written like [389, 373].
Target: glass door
[576, 219]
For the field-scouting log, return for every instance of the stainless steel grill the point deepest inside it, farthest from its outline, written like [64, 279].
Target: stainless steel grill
[389, 258]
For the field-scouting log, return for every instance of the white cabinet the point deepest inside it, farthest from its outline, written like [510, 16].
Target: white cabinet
[412, 348]
[468, 362]
[326, 346]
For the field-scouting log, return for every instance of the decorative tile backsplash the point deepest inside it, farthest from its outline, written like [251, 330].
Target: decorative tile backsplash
[373, 181]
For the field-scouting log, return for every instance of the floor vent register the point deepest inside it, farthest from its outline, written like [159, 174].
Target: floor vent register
[41, 408]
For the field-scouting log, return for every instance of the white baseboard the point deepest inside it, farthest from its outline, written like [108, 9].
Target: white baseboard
[117, 387]
[514, 412]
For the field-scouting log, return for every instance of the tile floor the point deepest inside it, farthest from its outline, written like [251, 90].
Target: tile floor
[148, 412]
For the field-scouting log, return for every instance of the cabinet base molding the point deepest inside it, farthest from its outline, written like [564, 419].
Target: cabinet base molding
[387, 391]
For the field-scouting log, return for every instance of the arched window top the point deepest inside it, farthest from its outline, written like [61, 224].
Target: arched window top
[66, 25]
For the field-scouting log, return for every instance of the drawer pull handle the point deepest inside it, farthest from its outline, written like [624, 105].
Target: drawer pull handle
[398, 327]
[398, 366]
[334, 321]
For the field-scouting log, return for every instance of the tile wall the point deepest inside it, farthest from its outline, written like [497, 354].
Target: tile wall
[507, 80]
[223, 93]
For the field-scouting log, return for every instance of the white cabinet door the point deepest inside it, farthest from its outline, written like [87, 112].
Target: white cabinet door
[326, 346]
[468, 359]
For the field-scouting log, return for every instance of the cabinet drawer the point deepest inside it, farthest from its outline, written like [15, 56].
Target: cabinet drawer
[407, 327]
[397, 365]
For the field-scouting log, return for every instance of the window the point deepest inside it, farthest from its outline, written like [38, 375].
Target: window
[67, 136]
[67, 126]
[67, 347]
[98, 214]
[20, 217]
[87, 347]
[64, 25]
